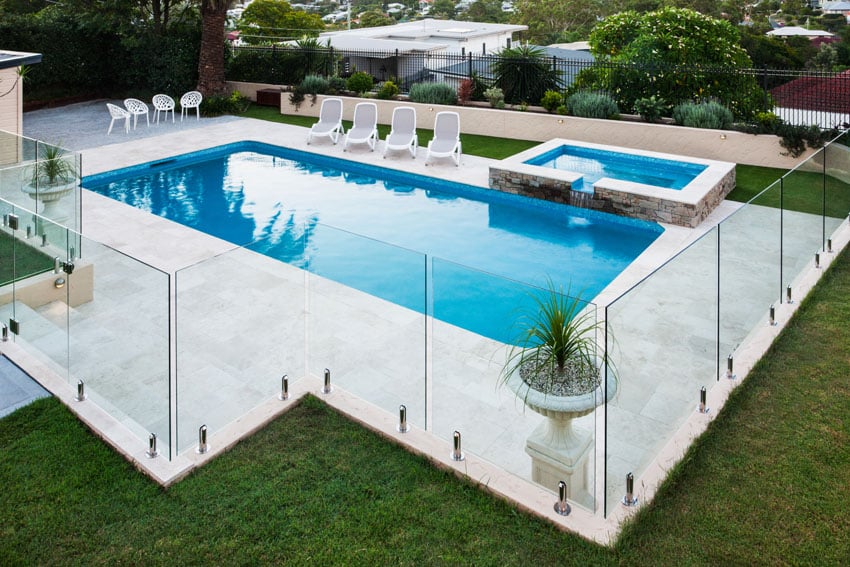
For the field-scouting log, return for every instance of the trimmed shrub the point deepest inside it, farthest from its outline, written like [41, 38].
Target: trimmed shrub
[551, 100]
[360, 82]
[433, 93]
[314, 84]
[650, 108]
[236, 103]
[703, 115]
[388, 90]
[336, 84]
[275, 66]
[589, 104]
[495, 97]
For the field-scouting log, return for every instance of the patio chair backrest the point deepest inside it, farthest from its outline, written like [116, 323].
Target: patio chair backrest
[331, 110]
[162, 102]
[404, 119]
[192, 99]
[116, 111]
[365, 115]
[135, 106]
[447, 126]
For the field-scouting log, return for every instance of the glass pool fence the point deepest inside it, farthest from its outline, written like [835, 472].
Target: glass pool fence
[167, 353]
[674, 332]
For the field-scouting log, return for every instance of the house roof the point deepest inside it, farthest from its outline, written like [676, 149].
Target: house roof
[835, 6]
[375, 44]
[792, 31]
[824, 94]
[419, 33]
[574, 46]
[18, 58]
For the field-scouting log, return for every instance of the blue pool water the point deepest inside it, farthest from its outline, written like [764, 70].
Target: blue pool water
[466, 255]
[594, 164]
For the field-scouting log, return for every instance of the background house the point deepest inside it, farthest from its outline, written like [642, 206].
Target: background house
[412, 51]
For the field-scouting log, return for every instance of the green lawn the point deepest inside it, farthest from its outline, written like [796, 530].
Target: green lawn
[768, 484]
[20, 259]
[801, 191]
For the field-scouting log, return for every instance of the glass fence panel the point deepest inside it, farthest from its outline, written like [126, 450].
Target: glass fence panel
[239, 330]
[35, 298]
[750, 258]
[479, 336]
[662, 345]
[366, 319]
[14, 181]
[802, 218]
[837, 171]
[119, 324]
[14, 150]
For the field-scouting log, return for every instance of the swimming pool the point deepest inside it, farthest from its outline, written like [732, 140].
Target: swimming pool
[466, 255]
[595, 163]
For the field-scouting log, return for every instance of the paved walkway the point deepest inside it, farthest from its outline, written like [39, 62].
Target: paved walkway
[17, 389]
[84, 125]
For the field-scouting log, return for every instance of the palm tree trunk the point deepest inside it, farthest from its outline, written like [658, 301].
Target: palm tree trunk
[211, 56]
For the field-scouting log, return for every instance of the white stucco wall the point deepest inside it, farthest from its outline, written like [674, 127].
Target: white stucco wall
[732, 146]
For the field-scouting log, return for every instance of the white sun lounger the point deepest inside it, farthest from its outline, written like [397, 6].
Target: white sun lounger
[365, 127]
[446, 141]
[330, 121]
[403, 131]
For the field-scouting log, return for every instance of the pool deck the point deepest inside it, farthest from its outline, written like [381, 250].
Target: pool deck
[171, 247]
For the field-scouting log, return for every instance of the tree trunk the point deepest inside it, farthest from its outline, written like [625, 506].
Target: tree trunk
[211, 57]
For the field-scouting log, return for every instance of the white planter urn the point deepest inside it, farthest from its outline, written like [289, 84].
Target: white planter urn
[559, 451]
[49, 195]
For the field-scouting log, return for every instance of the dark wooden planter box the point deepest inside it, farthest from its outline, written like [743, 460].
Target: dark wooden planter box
[268, 97]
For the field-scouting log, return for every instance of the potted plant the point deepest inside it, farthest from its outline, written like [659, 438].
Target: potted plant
[52, 176]
[556, 369]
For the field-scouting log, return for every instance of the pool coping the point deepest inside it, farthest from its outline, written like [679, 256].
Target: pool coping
[687, 207]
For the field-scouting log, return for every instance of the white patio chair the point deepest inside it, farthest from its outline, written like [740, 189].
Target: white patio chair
[330, 121]
[446, 141]
[162, 103]
[137, 108]
[118, 113]
[192, 99]
[403, 131]
[365, 127]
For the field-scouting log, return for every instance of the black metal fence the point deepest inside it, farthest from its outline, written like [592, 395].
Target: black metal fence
[798, 97]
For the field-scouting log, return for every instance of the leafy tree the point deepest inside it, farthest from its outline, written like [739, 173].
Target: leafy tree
[523, 74]
[442, 10]
[127, 18]
[275, 19]
[768, 51]
[546, 19]
[825, 60]
[485, 11]
[22, 6]
[374, 19]
[677, 54]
